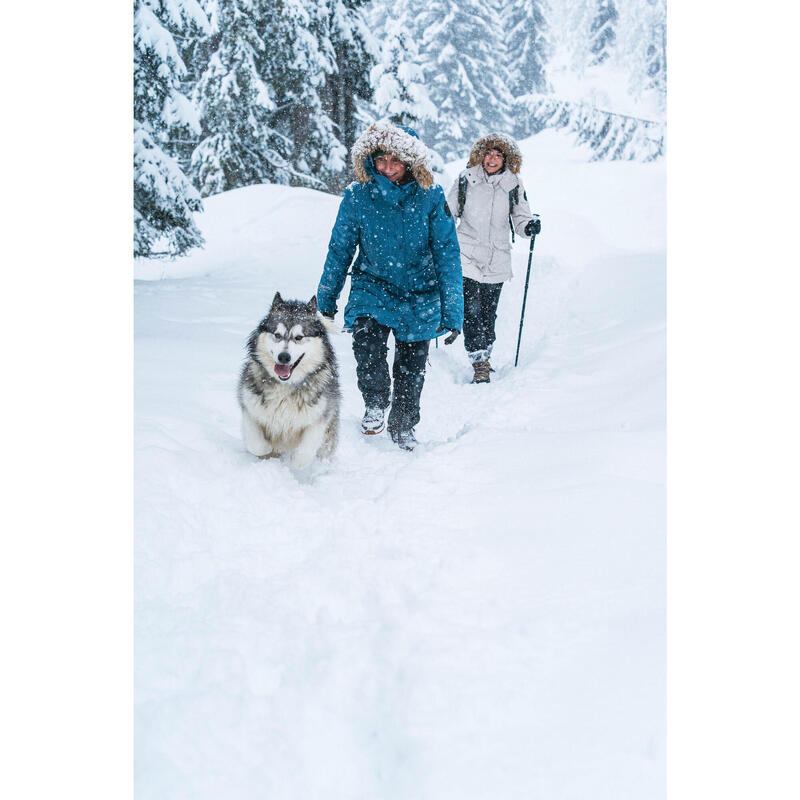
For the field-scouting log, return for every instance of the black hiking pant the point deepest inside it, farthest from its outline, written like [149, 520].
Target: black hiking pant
[480, 313]
[372, 370]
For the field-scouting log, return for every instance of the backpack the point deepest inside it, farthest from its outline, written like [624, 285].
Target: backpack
[513, 200]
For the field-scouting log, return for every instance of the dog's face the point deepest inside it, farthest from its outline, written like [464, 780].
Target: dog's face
[290, 341]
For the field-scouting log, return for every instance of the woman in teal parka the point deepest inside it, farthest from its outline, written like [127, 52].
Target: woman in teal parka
[406, 277]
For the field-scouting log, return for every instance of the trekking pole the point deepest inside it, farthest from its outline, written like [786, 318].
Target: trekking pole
[524, 298]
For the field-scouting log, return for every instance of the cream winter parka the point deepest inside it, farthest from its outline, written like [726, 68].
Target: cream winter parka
[483, 231]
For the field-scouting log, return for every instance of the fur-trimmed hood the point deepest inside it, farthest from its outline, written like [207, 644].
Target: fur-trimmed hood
[402, 143]
[497, 141]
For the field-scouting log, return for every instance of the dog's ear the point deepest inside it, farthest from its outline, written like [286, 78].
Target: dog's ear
[312, 305]
[276, 301]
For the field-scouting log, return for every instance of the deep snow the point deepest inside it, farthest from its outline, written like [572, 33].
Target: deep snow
[483, 618]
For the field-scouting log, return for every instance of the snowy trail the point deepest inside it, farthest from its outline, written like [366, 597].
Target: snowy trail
[481, 618]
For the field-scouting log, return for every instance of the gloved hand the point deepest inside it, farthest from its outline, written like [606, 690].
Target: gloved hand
[452, 337]
[328, 314]
[534, 226]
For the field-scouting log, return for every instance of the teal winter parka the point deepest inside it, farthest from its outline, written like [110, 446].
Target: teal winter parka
[407, 274]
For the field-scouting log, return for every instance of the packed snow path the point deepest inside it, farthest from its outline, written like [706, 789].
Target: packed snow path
[482, 618]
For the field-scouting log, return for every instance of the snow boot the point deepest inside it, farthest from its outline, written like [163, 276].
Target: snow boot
[373, 420]
[405, 440]
[481, 369]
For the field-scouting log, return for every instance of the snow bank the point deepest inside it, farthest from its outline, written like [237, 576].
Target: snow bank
[254, 230]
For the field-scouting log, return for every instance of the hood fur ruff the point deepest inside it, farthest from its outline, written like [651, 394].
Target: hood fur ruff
[396, 142]
[497, 141]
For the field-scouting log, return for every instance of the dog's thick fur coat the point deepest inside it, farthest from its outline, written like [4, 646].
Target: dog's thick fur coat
[289, 386]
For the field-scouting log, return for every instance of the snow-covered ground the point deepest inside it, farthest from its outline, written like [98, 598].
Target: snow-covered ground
[483, 618]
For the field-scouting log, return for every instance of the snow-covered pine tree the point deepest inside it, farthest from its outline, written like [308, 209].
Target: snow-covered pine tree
[348, 87]
[196, 46]
[398, 79]
[463, 52]
[602, 31]
[240, 144]
[657, 51]
[164, 199]
[296, 64]
[649, 52]
[610, 136]
[528, 45]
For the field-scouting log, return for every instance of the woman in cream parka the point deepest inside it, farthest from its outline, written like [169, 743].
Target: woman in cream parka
[487, 199]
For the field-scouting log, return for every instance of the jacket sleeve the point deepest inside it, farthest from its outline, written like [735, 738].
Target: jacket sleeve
[522, 211]
[447, 261]
[341, 249]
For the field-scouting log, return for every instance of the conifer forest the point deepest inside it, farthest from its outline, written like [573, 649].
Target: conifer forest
[230, 93]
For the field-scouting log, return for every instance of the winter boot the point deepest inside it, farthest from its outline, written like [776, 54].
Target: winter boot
[373, 420]
[489, 356]
[405, 440]
[481, 369]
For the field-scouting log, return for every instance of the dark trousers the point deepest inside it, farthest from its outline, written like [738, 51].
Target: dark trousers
[480, 313]
[372, 370]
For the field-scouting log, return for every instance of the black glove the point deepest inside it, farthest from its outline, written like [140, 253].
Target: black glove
[329, 314]
[533, 227]
[452, 337]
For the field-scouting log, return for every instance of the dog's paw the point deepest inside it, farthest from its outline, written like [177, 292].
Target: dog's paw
[301, 460]
[254, 440]
[260, 450]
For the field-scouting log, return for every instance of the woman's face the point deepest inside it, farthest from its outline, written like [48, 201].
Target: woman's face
[390, 167]
[493, 161]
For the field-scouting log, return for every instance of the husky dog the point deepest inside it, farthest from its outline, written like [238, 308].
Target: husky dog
[289, 386]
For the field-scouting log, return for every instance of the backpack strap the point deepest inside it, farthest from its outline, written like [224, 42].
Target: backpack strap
[462, 193]
[513, 200]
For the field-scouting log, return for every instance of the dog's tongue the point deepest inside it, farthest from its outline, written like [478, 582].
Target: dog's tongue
[283, 370]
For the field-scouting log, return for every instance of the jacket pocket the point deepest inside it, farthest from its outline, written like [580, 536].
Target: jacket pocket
[467, 249]
[422, 277]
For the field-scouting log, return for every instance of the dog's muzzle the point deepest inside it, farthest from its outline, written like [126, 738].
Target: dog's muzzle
[283, 369]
